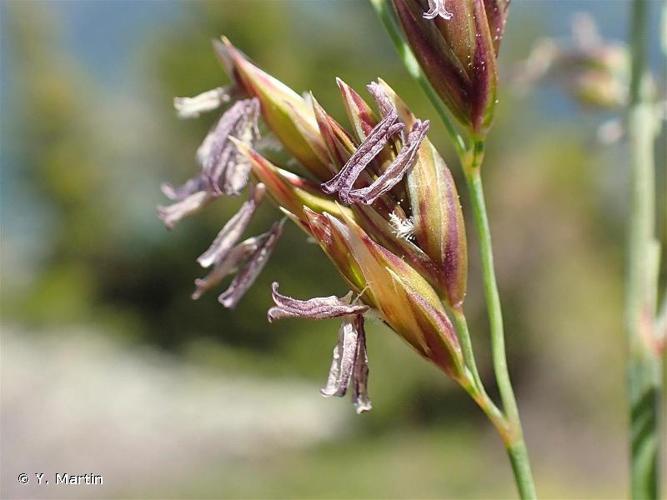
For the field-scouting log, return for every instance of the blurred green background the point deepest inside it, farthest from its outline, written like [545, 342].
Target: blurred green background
[109, 367]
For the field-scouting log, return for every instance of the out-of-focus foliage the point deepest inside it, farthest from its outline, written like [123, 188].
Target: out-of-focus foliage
[84, 247]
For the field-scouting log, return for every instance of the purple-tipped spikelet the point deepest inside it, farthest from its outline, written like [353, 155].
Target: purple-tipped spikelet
[377, 198]
[456, 43]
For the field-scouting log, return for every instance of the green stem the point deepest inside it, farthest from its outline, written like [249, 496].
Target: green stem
[466, 344]
[518, 455]
[387, 17]
[514, 444]
[644, 360]
[489, 408]
[661, 321]
[517, 448]
[491, 294]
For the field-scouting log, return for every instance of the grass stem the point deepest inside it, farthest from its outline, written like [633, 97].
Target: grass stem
[516, 448]
[644, 365]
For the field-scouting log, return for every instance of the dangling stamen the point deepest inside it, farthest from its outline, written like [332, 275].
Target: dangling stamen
[405, 159]
[192, 107]
[232, 231]
[315, 308]
[349, 365]
[235, 176]
[437, 8]
[350, 360]
[203, 153]
[252, 267]
[193, 203]
[179, 193]
[218, 156]
[217, 153]
[344, 180]
[344, 356]
[360, 399]
[226, 266]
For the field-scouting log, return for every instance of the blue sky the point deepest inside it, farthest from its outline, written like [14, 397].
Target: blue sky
[103, 33]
